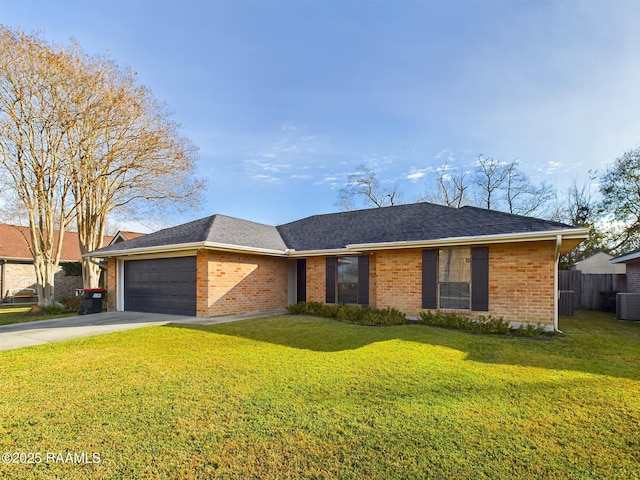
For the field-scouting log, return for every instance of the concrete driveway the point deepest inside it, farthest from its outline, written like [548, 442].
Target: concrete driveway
[20, 335]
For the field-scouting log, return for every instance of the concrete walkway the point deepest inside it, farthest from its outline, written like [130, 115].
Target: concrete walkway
[20, 335]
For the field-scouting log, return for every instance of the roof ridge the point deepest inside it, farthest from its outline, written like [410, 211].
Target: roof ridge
[371, 209]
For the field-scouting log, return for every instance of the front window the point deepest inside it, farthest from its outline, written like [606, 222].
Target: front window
[347, 280]
[454, 278]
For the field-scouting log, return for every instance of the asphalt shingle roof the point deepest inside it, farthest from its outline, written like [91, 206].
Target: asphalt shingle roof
[216, 228]
[411, 222]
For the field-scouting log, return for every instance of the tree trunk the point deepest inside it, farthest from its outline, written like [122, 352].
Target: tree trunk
[45, 274]
[90, 273]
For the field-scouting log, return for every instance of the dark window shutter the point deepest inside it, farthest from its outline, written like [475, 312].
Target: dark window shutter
[363, 280]
[480, 279]
[331, 280]
[301, 279]
[430, 279]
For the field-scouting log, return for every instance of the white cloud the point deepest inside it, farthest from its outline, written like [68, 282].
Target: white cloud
[289, 153]
[267, 178]
[552, 167]
[418, 174]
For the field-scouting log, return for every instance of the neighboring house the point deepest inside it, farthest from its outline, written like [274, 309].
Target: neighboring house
[631, 261]
[412, 257]
[17, 275]
[598, 263]
[123, 236]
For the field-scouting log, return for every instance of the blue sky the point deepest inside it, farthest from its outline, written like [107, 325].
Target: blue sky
[285, 98]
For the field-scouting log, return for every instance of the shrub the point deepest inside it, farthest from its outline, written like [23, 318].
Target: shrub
[350, 313]
[391, 316]
[364, 315]
[53, 309]
[529, 330]
[481, 324]
[71, 303]
[72, 269]
[314, 308]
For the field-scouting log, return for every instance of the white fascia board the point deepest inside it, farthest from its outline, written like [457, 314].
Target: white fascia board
[322, 253]
[241, 249]
[573, 233]
[192, 247]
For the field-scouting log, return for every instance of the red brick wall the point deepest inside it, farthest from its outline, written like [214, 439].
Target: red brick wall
[316, 279]
[633, 276]
[399, 280]
[112, 284]
[520, 281]
[234, 283]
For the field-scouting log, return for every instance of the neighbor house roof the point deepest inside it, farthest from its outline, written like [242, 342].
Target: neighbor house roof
[390, 227]
[15, 241]
[122, 236]
[627, 257]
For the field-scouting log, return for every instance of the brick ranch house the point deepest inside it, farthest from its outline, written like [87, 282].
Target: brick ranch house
[412, 257]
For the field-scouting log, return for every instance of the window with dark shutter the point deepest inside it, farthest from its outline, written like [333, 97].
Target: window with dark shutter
[301, 279]
[347, 280]
[454, 278]
[480, 279]
[330, 275]
[430, 279]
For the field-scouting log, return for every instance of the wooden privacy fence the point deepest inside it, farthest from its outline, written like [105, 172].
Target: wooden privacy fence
[592, 291]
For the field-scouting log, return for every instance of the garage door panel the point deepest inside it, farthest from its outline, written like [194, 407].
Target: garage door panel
[163, 285]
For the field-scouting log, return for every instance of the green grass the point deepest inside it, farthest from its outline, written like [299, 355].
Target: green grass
[302, 397]
[20, 314]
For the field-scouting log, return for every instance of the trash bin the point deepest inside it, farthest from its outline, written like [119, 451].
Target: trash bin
[92, 300]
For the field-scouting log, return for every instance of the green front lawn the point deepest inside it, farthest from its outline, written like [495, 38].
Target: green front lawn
[20, 314]
[302, 397]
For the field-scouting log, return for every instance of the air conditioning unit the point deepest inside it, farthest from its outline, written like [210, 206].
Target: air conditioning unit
[628, 306]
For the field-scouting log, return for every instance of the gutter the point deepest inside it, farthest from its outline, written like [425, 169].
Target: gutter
[573, 233]
[556, 293]
[187, 246]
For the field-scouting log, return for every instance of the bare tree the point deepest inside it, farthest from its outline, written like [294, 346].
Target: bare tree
[450, 187]
[126, 154]
[33, 95]
[580, 208]
[80, 140]
[363, 184]
[489, 180]
[522, 196]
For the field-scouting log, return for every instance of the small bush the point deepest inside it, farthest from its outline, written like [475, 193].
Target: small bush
[297, 308]
[481, 324]
[350, 313]
[314, 308]
[71, 303]
[364, 315]
[53, 309]
[529, 330]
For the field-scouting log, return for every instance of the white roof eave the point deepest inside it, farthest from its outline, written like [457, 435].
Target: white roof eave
[573, 233]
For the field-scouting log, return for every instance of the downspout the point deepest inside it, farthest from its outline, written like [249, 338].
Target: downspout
[556, 293]
[3, 277]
